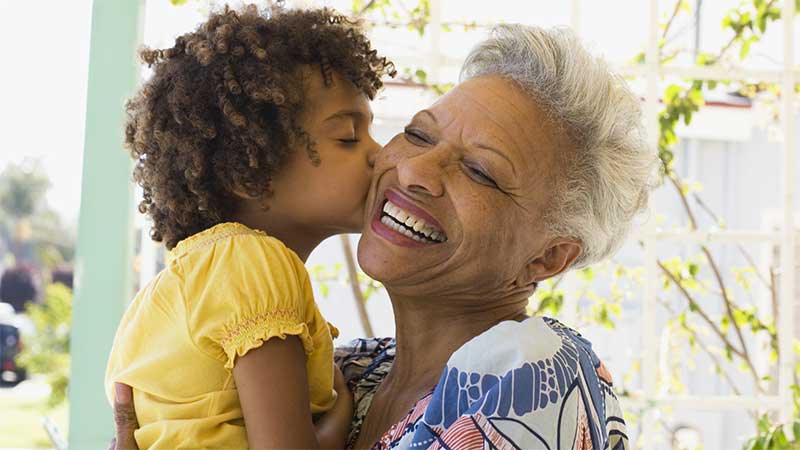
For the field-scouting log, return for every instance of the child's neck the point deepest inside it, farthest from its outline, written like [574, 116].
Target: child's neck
[301, 243]
[300, 238]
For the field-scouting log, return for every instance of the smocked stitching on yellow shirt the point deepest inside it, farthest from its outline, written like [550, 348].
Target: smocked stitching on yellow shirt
[240, 328]
[235, 231]
[273, 323]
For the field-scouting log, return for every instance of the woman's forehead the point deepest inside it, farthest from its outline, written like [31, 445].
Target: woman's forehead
[496, 111]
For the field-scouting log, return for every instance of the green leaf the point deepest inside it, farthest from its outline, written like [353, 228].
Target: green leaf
[746, 19]
[752, 445]
[323, 288]
[368, 292]
[726, 21]
[725, 324]
[761, 22]
[178, 2]
[672, 93]
[695, 96]
[586, 274]
[693, 268]
[745, 50]
[780, 438]
[422, 76]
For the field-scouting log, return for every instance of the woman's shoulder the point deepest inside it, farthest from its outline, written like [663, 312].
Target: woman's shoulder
[534, 339]
[553, 351]
[511, 384]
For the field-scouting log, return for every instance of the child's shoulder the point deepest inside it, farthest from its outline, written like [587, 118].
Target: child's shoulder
[231, 255]
[234, 239]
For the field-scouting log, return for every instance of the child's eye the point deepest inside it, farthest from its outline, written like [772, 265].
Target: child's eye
[349, 141]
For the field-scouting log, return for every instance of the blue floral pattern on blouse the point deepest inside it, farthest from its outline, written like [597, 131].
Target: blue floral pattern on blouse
[534, 384]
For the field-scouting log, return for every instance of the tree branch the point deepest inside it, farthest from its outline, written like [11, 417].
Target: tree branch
[358, 296]
[675, 12]
[365, 8]
[736, 36]
[741, 248]
[704, 347]
[696, 308]
[743, 353]
[673, 177]
[726, 299]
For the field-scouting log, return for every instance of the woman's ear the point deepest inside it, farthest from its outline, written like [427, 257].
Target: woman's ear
[557, 257]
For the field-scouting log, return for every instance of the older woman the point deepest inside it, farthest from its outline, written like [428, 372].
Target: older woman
[534, 164]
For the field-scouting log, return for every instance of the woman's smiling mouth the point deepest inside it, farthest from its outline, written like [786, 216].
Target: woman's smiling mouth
[403, 223]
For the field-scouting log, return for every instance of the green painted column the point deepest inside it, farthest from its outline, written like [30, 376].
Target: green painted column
[103, 261]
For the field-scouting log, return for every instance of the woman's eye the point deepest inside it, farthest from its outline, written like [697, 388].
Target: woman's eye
[480, 176]
[349, 141]
[415, 137]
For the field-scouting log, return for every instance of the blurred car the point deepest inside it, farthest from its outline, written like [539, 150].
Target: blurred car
[10, 346]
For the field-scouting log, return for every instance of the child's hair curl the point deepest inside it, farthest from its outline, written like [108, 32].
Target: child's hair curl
[219, 114]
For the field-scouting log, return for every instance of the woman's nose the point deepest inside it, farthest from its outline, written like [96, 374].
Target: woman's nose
[422, 173]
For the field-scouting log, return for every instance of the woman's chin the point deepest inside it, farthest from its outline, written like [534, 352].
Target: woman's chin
[375, 259]
[387, 261]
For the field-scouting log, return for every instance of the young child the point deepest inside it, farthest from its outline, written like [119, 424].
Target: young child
[252, 145]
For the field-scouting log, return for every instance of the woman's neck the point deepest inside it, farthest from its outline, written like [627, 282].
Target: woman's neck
[429, 331]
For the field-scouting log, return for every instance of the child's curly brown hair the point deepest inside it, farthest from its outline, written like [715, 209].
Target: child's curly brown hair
[219, 114]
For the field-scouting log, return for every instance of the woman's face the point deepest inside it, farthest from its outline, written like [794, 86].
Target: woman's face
[472, 177]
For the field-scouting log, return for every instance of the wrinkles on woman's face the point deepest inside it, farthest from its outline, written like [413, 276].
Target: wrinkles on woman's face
[480, 162]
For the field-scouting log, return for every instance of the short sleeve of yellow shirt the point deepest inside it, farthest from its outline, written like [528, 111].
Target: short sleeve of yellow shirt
[223, 292]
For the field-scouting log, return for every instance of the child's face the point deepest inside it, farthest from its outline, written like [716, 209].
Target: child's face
[329, 198]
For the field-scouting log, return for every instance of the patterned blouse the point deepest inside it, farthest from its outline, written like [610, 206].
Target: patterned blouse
[534, 384]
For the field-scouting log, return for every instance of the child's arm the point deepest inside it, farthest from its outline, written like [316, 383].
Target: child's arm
[334, 426]
[273, 392]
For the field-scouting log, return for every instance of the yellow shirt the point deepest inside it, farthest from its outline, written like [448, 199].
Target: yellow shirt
[223, 292]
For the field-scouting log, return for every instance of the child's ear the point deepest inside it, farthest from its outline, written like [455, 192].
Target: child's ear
[556, 258]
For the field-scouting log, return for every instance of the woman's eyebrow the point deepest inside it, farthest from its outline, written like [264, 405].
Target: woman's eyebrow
[496, 151]
[427, 113]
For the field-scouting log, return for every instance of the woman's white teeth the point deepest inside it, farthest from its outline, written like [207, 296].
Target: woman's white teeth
[410, 221]
[400, 229]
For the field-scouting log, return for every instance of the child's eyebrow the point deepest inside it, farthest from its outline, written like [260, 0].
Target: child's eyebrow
[350, 114]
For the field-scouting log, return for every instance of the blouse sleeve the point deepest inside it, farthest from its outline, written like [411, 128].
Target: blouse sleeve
[244, 290]
[499, 417]
[564, 400]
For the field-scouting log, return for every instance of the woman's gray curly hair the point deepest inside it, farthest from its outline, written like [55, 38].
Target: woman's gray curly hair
[606, 180]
